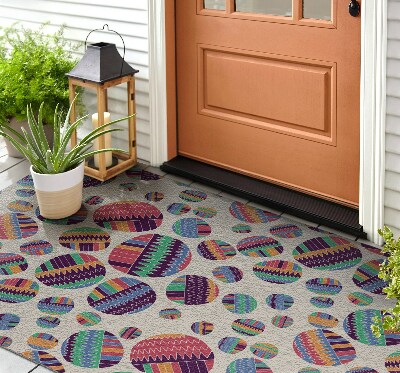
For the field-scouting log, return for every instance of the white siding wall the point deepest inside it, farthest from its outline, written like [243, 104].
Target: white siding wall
[392, 191]
[128, 17]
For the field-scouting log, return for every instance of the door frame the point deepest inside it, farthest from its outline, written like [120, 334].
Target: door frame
[163, 111]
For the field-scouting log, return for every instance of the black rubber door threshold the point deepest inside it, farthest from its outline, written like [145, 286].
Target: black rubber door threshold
[289, 201]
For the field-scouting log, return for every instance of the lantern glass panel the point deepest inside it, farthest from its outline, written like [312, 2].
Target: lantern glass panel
[118, 108]
[89, 102]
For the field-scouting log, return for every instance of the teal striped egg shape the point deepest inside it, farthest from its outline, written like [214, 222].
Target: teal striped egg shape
[36, 248]
[286, 231]
[20, 206]
[239, 303]
[228, 274]
[17, 290]
[202, 327]
[323, 347]
[248, 365]
[278, 271]
[259, 247]
[85, 239]
[330, 253]
[232, 345]
[170, 314]
[324, 286]
[11, 263]
[178, 208]
[5, 342]
[248, 327]
[264, 350]
[322, 320]
[192, 290]
[282, 322]
[205, 212]
[192, 195]
[322, 302]
[122, 295]
[45, 359]
[191, 228]
[360, 299]
[130, 332]
[8, 321]
[48, 322]
[280, 302]
[88, 318]
[92, 349]
[357, 325]
[71, 271]
[56, 305]
[42, 341]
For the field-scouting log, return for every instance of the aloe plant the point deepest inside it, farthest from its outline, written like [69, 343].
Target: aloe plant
[35, 147]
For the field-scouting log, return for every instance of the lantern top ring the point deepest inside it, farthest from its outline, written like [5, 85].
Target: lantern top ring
[108, 29]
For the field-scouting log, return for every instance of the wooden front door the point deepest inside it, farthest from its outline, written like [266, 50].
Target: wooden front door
[270, 89]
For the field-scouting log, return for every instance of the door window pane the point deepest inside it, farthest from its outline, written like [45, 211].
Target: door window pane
[317, 9]
[215, 4]
[274, 7]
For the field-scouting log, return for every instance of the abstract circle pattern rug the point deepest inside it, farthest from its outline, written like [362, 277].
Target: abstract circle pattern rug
[152, 275]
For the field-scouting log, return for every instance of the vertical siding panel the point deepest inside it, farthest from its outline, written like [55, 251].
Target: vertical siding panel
[392, 184]
[129, 18]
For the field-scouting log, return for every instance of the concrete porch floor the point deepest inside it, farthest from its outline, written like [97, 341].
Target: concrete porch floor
[13, 169]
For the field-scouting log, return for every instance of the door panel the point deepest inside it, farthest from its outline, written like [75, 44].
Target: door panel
[273, 97]
[274, 82]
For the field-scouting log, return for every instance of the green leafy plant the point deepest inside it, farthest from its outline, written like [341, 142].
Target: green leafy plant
[390, 272]
[45, 160]
[32, 70]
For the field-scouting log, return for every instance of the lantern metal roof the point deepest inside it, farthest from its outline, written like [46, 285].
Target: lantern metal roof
[101, 63]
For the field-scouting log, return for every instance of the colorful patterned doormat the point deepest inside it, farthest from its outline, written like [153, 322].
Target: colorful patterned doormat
[154, 276]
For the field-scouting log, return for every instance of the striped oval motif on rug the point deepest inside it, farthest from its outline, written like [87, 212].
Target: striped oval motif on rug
[44, 358]
[18, 290]
[278, 271]
[248, 365]
[323, 347]
[128, 216]
[85, 239]
[328, 253]
[92, 349]
[192, 290]
[357, 325]
[185, 353]
[71, 271]
[248, 327]
[121, 296]
[151, 255]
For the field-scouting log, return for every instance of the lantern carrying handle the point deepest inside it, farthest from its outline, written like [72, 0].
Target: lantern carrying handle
[108, 29]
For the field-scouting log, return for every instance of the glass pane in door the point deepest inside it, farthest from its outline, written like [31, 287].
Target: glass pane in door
[274, 7]
[317, 9]
[215, 4]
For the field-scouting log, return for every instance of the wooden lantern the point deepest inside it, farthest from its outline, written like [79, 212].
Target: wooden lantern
[101, 68]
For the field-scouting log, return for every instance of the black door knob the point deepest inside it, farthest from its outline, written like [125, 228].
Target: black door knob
[354, 8]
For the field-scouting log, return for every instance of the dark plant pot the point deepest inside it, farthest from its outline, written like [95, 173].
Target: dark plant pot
[16, 125]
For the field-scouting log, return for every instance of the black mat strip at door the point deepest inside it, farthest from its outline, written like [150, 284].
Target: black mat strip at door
[292, 202]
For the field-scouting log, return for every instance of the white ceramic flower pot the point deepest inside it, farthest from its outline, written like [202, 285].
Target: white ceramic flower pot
[59, 195]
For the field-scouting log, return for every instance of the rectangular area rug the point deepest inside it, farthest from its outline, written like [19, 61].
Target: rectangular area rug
[152, 275]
